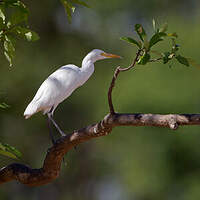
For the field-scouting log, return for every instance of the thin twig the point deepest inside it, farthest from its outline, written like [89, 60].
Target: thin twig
[155, 60]
[116, 73]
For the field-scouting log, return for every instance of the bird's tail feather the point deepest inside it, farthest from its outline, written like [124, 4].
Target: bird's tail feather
[30, 110]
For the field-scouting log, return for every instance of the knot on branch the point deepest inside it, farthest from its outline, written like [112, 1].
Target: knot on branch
[173, 125]
[103, 128]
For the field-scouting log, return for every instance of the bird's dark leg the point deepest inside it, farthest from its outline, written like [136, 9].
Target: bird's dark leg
[54, 123]
[50, 131]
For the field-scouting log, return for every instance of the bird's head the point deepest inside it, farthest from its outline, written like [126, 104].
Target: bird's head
[97, 54]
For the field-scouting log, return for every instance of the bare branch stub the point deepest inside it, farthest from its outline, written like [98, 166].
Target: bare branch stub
[112, 84]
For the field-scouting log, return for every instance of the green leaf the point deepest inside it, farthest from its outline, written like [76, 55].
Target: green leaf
[9, 2]
[31, 36]
[154, 24]
[4, 105]
[9, 151]
[8, 45]
[68, 8]
[157, 37]
[12, 150]
[131, 41]
[182, 60]
[9, 49]
[2, 25]
[140, 31]
[26, 33]
[144, 59]
[2, 13]
[8, 154]
[80, 3]
[166, 57]
[9, 57]
[164, 28]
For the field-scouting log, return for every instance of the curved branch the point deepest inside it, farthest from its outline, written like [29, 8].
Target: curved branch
[52, 163]
[116, 73]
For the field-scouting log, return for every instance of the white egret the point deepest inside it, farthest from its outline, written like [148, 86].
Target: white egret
[60, 85]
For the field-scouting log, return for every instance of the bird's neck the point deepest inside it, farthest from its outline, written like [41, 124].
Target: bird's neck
[87, 65]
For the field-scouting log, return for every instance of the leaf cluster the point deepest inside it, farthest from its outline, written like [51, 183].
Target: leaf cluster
[146, 45]
[69, 6]
[13, 25]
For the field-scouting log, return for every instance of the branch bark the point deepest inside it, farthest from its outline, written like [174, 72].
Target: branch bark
[52, 163]
[116, 73]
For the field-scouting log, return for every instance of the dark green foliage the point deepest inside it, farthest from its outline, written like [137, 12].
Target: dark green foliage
[166, 57]
[13, 24]
[182, 60]
[144, 58]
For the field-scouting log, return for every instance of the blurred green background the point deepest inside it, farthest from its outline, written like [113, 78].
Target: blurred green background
[132, 163]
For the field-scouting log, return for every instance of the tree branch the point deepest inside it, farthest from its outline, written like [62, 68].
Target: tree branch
[52, 163]
[116, 73]
[54, 157]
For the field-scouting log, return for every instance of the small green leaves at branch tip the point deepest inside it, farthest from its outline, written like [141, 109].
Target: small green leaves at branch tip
[70, 7]
[140, 31]
[160, 34]
[9, 151]
[166, 57]
[132, 41]
[182, 60]
[164, 28]
[13, 24]
[144, 59]
[157, 37]
[154, 25]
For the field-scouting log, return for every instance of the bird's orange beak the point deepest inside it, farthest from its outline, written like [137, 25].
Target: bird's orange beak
[109, 55]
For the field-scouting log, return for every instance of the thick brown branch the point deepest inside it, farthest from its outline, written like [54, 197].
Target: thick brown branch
[116, 73]
[54, 157]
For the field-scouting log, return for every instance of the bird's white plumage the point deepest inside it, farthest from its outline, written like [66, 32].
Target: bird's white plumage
[49, 94]
[60, 84]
